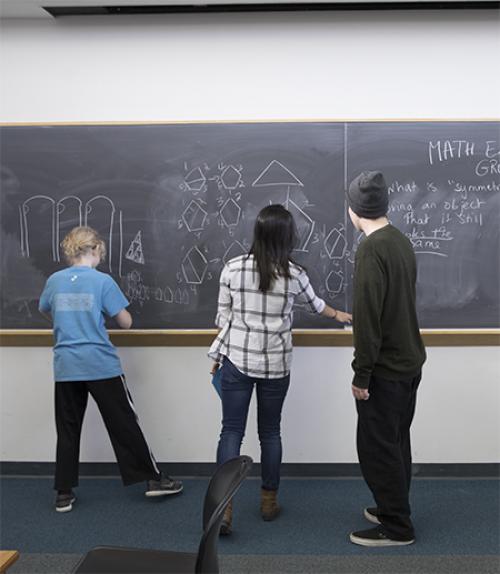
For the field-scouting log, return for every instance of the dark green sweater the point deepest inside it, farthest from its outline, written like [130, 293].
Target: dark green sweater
[387, 341]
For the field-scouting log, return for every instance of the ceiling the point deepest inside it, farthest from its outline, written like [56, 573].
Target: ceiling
[34, 9]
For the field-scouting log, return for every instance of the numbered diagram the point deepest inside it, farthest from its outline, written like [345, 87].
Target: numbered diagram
[235, 249]
[135, 289]
[135, 252]
[230, 178]
[335, 282]
[335, 243]
[194, 266]
[195, 180]
[230, 213]
[305, 225]
[194, 216]
[276, 173]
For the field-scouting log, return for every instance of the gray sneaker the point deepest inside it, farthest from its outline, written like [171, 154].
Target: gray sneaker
[64, 501]
[163, 487]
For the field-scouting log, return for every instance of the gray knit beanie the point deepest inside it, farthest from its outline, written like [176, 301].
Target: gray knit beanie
[367, 195]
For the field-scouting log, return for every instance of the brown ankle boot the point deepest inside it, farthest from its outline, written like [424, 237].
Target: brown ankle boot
[226, 526]
[269, 507]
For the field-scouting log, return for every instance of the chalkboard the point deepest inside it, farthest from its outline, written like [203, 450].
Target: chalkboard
[176, 201]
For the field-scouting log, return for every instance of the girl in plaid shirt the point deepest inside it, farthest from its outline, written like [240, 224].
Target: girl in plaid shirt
[254, 344]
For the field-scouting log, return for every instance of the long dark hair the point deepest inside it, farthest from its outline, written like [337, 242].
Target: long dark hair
[274, 238]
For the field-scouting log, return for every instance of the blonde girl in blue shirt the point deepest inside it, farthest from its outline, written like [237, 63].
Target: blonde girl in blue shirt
[85, 361]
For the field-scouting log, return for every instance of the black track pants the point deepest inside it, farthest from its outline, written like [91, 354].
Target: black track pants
[113, 399]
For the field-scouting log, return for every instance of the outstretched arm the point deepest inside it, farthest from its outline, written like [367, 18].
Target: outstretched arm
[124, 319]
[339, 316]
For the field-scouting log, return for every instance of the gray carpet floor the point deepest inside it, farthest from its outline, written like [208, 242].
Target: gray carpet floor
[294, 564]
[457, 522]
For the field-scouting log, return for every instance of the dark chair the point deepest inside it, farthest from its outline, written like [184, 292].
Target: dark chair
[116, 560]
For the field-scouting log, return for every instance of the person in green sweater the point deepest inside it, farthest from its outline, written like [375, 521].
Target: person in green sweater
[388, 358]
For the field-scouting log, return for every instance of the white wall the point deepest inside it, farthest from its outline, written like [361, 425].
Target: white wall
[271, 66]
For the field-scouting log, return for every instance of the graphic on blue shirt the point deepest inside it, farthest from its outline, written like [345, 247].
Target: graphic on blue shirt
[78, 299]
[73, 302]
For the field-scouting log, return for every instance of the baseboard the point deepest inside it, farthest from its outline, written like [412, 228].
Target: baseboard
[298, 470]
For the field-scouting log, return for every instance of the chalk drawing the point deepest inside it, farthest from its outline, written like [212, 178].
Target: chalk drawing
[194, 266]
[275, 173]
[135, 252]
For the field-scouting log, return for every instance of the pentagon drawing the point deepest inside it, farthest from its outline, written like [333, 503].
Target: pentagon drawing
[195, 179]
[230, 177]
[230, 213]
[194, 216]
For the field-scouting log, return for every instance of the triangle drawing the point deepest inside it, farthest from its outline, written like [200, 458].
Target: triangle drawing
[276, 174]
[134, 252]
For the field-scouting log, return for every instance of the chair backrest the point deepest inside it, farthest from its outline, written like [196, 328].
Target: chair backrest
[222, 487]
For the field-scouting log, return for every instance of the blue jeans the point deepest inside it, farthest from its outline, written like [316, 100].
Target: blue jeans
[237, 391]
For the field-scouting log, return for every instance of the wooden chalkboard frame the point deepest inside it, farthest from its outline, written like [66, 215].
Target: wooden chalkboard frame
[203, 337]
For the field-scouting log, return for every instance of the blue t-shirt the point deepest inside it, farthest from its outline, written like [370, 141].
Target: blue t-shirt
[77, 298]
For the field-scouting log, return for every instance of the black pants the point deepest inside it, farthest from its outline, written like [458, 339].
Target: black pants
[384, 450]
[113, 399]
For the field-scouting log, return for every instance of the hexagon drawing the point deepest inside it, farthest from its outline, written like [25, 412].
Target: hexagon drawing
[230, 213]
[335, 244]
[335, 282]
[235, 249]
[194, 216]
[194, 266]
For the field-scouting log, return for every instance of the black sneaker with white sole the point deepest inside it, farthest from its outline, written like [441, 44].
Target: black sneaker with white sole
[163, 487]
[65, 500]
[371, 514]
[377, 538]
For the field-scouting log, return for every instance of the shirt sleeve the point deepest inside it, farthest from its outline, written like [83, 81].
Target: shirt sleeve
[113, 300]
[369, 292]
[44, 304]
[306, 295]
[225, 300]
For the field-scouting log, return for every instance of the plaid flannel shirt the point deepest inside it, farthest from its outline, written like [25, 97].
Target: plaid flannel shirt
[256, 327]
